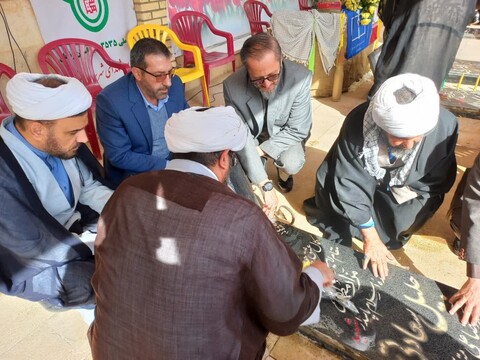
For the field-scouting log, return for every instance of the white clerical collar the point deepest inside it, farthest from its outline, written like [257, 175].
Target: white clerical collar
[191, 167]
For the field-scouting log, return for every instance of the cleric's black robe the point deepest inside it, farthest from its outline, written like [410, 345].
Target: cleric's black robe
[346, 195]
[35, 249]
[422, 37]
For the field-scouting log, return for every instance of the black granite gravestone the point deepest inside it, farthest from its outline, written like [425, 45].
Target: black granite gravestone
[403, 317]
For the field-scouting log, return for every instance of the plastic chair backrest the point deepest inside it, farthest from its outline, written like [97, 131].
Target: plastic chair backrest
[9, 73]
[74, 57]
[165, 35]
[253, 9]
[188, 26]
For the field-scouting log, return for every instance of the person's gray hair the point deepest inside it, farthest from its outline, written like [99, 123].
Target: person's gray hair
[144, 47]
[256, 46]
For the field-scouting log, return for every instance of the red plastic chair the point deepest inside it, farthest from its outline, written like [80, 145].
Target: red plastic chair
[304, 5]
[253, 9]
[9, 73]
[74, 58]
[188, 27]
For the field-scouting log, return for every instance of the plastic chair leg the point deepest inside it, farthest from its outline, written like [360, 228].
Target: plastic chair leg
[206, 96]
[92, 136]
[206, 69]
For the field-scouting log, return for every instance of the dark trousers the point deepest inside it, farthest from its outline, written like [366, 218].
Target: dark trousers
[394, 222]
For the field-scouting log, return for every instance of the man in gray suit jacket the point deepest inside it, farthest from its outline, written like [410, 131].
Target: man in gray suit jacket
[272, 96]
[466, 223]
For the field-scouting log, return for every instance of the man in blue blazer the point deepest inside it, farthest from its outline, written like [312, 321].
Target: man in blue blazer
[132, 112]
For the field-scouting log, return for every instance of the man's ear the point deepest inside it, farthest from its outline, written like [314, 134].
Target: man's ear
[36, 130]
[224, 160]
[137, 73]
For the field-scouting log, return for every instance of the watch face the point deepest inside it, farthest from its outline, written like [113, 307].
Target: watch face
[267, 186]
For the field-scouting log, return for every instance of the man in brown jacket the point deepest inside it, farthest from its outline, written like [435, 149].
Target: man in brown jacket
[187, 269]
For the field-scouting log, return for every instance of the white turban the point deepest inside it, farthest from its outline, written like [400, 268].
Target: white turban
[33, 101]
[410, 119]
[214, 129]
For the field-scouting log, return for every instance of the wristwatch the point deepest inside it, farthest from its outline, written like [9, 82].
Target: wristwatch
[268, 186]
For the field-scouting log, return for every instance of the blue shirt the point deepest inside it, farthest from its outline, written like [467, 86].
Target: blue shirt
[158, 119]
[54, 164]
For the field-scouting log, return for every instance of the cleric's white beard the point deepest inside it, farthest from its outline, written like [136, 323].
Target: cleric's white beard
[267, 95]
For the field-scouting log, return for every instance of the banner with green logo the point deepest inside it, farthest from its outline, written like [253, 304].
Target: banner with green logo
[105, 22]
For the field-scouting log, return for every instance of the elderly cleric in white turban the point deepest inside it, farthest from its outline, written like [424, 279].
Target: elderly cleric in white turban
[33, 101]
[406, 105]
[203, 130]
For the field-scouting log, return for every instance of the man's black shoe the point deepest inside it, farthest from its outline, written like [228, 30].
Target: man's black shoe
[285, 185]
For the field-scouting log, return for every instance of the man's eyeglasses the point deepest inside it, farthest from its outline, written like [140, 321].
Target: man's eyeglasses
[162, 76]
[271, 78]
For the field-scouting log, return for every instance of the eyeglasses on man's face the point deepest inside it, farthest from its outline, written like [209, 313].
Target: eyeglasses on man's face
[161, 76]
[259, 82]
